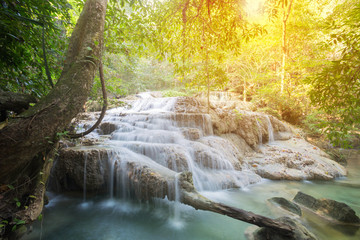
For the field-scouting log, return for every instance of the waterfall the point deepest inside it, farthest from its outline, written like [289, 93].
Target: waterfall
[270, 130]
[84, 188]
[259, 131]
[151, 133]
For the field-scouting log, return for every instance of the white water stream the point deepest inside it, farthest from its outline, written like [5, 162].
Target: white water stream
[151, 132]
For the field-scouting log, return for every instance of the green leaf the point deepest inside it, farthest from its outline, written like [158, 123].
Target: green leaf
[10, 187]
[20, 222]
[40, 217]
[18, 204]
[89, 48]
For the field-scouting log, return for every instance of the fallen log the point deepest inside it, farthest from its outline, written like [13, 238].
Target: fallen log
[191, 197]
[154, 182]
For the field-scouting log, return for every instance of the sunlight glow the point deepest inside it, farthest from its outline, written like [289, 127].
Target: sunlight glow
[252, 7]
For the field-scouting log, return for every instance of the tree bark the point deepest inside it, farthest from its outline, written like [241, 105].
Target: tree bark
[34, 133]
[284, 47]
[17, 102]
[28, 142]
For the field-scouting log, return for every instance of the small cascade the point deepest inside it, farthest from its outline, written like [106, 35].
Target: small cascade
[259, 131]
[85, 173]
[270, 130]
[175, 220]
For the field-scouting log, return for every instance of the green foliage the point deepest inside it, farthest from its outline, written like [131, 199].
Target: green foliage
[217, 78]
[21, 55]
[3, 224]
[128, 75]
[196, 37]
[17, 223]
[336, 89]
[61, 135]
[173, 93]
[314, 123]
[291, 107]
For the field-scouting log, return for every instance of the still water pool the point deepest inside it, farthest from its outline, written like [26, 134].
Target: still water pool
[67, 216]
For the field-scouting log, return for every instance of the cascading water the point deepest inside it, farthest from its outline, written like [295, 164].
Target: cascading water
[270, 130]
[151, 132]
[259, 131]
[84, 188]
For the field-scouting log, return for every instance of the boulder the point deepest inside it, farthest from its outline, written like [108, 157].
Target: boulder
[263, 233]
[69, 169]
[287, 205]
[326, 207]
[107, 128]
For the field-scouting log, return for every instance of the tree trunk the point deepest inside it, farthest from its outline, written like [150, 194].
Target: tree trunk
[25, 137]
[26, 141]
[284, 47]
[283, 51]
[191, 197]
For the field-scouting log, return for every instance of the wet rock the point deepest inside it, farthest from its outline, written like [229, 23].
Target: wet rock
[287, 205]
[107, 128]
[194, 120]
[300, 232]
[226, 148]
[88, 141]
[68, 171]
[238, 142]
[212, 158]
[254, 128]
[189, 105]
[327, 207]
[191, 133]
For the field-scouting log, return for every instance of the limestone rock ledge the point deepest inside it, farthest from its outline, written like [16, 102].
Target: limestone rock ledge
[294, 159]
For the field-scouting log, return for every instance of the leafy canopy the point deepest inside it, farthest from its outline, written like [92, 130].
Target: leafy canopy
[22, 24]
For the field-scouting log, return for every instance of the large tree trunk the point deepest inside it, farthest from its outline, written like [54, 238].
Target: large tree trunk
[25, 137]
[26, 141]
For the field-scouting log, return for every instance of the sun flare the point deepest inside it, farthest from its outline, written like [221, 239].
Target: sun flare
[252, 7]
